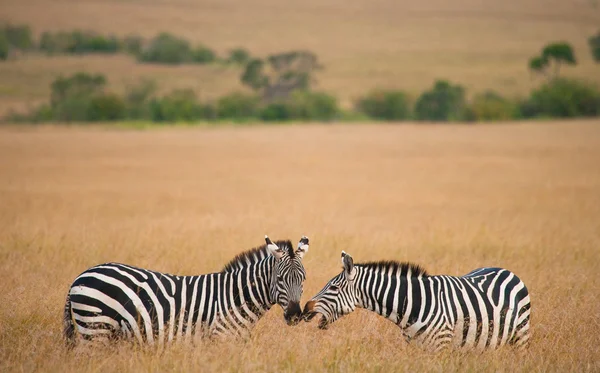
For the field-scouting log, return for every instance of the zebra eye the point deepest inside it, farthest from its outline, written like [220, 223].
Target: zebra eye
[334, 288]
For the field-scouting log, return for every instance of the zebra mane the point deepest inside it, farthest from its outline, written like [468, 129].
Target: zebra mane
[255, 255]
[403, 267]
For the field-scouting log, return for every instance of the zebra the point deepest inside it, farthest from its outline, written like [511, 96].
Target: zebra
[484, 309]
[117, 301]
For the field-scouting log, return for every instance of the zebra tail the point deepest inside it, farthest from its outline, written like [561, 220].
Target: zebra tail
[68, 324]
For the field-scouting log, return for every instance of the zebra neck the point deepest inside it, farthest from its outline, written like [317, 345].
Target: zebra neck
[385, 293]
[252, 286]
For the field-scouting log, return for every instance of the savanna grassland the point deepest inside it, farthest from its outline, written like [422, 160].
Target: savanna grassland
[525, 196]
[363, 44]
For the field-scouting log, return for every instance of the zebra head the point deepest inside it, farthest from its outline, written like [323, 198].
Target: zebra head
[336, 299]
[288, 277]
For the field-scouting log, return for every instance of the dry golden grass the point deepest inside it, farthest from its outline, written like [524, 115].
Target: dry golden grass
[363, 44]
[524, 196]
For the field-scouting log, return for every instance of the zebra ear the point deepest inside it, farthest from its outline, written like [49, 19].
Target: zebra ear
[302, 247]
[273, 249]
[348, 264]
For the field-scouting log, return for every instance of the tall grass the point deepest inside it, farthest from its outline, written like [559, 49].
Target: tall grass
[525, 197]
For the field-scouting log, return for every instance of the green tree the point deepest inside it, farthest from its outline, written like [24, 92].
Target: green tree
[490, 106]
[180, 105]
[554, 54]
[79, 84]
[203, 55]
[538, 65]
[18, 36]
[238, 106]
[385, 105]
[253, 75]
[594, 42]
[445, 102]
[239, 56]
[137, 99]
[4, 47]
[306, 105]
[71, 97]
[106, 107]
[279, 75]
[168, 49]
[560, 54]
[563, 98]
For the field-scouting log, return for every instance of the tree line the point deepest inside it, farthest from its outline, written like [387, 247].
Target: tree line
[164, 48]
[281, 88]
[84, 97]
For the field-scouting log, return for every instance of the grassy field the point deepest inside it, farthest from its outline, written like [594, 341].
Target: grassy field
[523, 196]
[363, 44]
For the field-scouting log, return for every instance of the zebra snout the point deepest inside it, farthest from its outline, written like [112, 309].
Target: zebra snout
[293, 313]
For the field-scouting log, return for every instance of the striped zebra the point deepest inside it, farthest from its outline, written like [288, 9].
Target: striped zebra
[113, 300]
[484, 309]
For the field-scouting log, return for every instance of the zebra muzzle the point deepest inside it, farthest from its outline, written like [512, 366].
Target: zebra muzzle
[293, 313]
[309, 310]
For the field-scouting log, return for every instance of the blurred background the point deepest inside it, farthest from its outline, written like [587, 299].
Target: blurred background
[231, 60]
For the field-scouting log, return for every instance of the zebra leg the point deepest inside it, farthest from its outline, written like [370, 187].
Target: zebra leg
[88, 327]
[88, 323]
[447, 337]
[522, 330]
[69, 325]
[443, 338]
[522, 334]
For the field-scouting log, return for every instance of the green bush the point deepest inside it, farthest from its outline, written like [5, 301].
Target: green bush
[167, 49]
[71, 97]
[275, 112]
[563, 98]
[594, 43]
[43, 113]
[238, 106]
[178, 106]
[18, 36]
[75, 109]
[445, 102]
[58, 43]
[490, 106]
[307, 105]
[78, 42]
[89, 42]
[302, 105]
[385, 105]
[4, 47]
[99, 44]
[239, 56]
[78, 85]
[203, 55]
[138, 98]
[106, 107]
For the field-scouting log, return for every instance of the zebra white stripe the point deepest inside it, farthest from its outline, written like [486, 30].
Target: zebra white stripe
[484, 309]
[120, 301]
